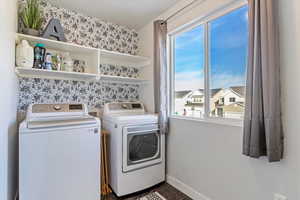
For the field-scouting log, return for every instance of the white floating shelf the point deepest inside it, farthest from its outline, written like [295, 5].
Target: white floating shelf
[122, 79]
[111, 57]
[57, 45]
[62, 75]
[92, 56]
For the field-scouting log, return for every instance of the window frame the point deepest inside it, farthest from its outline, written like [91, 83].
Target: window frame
[204, 20]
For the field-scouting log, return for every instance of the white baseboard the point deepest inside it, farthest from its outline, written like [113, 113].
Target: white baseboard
[189, 191]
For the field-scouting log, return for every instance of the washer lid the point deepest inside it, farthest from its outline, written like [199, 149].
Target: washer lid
[39, 111]
[82, 121]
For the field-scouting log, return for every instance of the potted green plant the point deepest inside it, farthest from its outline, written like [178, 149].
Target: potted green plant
[31, 16]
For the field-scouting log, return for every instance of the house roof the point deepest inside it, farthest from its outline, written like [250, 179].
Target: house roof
[197, 96]
[239, 90]
[213, 92]
[181, 94]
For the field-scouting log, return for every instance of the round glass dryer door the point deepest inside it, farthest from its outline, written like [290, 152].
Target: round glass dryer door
[141, 146]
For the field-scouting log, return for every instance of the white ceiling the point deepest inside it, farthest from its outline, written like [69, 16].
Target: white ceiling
[132, 13]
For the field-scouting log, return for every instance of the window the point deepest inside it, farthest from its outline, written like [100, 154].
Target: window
[231, 99]
[208, 67]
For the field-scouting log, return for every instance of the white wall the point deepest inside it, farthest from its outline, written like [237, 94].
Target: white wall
[205, 158]
[146, 48]
[8, 100]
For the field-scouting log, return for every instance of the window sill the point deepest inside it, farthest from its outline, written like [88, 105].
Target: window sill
[219, 121]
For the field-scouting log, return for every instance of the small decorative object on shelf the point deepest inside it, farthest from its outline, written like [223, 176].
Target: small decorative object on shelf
[39, 55]
[54, 30]
[79, 66]
[31, 17]
[24, 55]
[67, 62]
[56, 62]
[48, 61]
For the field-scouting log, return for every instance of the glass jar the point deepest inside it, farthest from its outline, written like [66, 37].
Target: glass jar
[67, 62]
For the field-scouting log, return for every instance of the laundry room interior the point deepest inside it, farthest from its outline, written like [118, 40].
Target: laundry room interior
[149, 100]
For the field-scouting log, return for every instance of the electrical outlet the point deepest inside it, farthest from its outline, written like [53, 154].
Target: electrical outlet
[279, 197]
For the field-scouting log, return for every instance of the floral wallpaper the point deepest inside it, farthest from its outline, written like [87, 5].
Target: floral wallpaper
[94, 94]
[92, 32]
[115, 70]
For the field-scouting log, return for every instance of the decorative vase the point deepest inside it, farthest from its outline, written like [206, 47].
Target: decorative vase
[30, 31]
[67, 62]
[24, 55]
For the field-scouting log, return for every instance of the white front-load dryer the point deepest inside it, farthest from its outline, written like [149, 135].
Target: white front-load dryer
[137, 149]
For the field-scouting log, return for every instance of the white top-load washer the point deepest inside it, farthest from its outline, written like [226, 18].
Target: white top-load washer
[59, 153]
[137, 149]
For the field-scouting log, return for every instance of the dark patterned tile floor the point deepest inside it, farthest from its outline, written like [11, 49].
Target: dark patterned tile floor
[166, 190]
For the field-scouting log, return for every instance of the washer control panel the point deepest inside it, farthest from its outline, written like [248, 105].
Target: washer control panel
[50, 108]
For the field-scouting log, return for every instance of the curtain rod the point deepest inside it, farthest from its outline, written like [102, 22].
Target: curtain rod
[178, 11]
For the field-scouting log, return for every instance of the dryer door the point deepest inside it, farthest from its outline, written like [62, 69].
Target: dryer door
[141, 146]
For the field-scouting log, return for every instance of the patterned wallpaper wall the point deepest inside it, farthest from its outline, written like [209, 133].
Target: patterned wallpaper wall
[94, 94]
[88, 31]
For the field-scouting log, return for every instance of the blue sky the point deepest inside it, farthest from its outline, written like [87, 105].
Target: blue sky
[228, 53]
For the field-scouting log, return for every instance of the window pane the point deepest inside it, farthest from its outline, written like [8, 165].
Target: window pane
[228, 60]
[189, 73]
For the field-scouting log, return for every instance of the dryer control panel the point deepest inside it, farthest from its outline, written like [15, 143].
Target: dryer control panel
[131, 107]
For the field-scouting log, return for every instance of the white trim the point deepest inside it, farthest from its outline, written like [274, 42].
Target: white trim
[191, 192]
[171, 73]
[212, 120]
[206, 70]
[218, 12]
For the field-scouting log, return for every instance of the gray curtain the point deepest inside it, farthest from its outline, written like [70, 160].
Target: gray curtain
[263, 135]
[160, 74]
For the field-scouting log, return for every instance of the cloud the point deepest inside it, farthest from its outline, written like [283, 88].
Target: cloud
[189, 67]
[246, 16]
[185, 60]
[189, 38]
[189, 80]
[193, 80]
[225, 80]
[230, 40]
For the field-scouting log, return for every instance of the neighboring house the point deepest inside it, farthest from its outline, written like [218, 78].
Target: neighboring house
[195, 103]
[194, 106]
[227, 102]
[189, 103]
[234, 110]
[196, 98]
[215, 96]
[181, 98]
